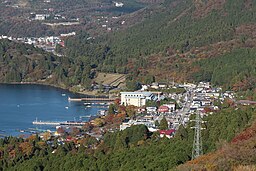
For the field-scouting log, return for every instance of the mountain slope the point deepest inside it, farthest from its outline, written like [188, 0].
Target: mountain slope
[177, 28]
[240, 154]
[24, 63]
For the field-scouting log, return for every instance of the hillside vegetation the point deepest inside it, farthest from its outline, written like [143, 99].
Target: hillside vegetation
[24, 63]
[132, 149]
[172, 42]
[239, 154]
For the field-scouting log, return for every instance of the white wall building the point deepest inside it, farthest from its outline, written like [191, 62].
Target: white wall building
[41, 16]
[136, 98]
[171, 106]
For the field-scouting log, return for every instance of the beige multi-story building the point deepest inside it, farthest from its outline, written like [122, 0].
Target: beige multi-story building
[136, 98]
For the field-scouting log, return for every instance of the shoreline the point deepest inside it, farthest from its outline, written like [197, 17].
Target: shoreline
[46, 84]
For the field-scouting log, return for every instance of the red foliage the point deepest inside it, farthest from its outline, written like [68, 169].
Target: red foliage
[109, 118]
[207, 110]
[121, 109]
[117, 101]
[60, 130]
[245, 135]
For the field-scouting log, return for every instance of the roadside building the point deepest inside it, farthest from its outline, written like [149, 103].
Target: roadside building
[136, 98]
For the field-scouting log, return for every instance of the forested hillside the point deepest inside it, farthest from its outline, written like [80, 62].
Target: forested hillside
[24, 63]
[235, 70]
[172, 42]
[239, 154]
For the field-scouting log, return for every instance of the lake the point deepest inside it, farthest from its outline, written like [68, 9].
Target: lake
[20, 105]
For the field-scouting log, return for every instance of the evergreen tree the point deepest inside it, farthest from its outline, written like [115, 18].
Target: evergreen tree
[163, 124]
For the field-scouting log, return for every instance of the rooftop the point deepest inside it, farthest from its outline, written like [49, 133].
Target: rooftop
[144, 93]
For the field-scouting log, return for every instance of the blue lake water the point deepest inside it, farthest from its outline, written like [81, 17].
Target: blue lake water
[20, 105]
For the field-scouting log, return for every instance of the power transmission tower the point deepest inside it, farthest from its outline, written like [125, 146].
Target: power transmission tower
[197, 144]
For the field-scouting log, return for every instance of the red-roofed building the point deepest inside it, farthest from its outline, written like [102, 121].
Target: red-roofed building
[168, 133]
[163, 109]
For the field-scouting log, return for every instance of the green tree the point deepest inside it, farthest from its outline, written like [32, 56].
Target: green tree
[163, 124]
[111, 109]
[157, 124]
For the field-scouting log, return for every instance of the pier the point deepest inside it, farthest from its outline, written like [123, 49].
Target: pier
[70, 123]
[91, 99]
[45, 123]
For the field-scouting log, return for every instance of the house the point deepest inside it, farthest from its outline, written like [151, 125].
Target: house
[162, 85]
[143, 121]
[144, 87]
[171, 106]
[155, 85]
[136, 98]
[151, 109]
[163, 109]
[167, 133]
[206, 102]
[41, 16]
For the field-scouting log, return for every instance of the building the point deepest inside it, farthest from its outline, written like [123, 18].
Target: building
[136, 98]
[151, 109]
[171, 106]
[163, 109]
[167, 133]
[41, 16]
[147, 121]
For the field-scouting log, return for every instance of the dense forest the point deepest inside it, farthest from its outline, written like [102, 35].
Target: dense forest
[24, 63]
[132, 149]
[179, 28]
[180, 42]
[233, 71]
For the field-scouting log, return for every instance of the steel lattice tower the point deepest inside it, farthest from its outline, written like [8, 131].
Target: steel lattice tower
[197, 144]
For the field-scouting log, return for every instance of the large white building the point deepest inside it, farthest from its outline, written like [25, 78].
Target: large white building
[136, 98]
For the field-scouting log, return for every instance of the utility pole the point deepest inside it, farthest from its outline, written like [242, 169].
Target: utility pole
[197, 144]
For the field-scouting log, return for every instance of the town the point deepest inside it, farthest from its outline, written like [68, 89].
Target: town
[47, 43]
[161, 107]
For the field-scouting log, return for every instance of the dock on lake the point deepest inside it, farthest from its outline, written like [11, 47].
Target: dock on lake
[67, 123]
[91, 99]
[45, 123]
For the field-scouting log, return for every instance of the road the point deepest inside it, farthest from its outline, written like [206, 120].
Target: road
[185, 109]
